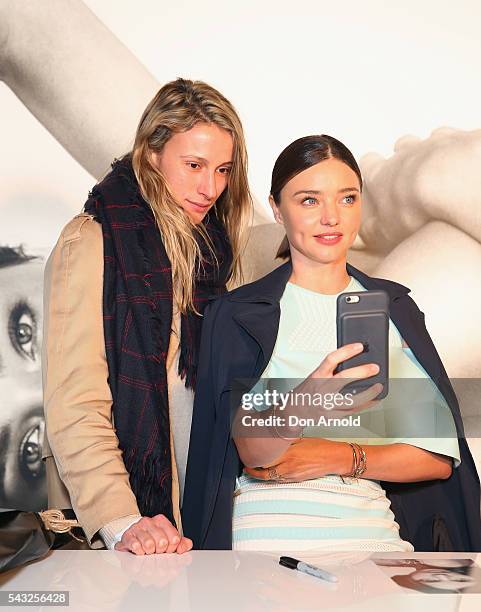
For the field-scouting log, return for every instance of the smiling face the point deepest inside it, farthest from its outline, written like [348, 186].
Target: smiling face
[196, 165]
[320, 209]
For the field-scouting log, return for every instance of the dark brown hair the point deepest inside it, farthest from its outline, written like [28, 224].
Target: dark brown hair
[301, 155]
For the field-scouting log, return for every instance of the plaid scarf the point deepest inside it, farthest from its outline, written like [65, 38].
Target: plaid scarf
[137, 313]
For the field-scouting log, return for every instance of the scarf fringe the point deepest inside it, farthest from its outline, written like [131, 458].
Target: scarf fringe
[152, 485]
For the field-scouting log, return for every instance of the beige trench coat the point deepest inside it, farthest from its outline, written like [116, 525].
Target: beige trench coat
[85, 469]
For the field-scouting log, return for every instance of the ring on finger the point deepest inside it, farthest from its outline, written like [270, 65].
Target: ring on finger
[273, 474]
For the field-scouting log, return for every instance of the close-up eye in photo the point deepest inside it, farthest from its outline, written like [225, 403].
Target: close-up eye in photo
[23, 329]
[240, 337]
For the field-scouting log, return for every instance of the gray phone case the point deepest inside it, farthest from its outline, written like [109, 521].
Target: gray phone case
[366, 321]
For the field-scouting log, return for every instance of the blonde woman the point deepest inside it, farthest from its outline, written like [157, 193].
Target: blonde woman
[125, 289]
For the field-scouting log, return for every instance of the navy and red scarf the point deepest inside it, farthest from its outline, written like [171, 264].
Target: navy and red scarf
[137, 312]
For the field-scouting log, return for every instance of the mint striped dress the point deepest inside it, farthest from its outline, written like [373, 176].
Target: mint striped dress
[324, 513]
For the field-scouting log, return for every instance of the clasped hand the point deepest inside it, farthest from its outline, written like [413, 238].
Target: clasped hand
[151, 535]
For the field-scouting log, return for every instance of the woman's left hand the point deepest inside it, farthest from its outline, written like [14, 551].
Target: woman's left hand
[306, 459]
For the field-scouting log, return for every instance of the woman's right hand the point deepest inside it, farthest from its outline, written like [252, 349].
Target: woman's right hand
[151, 535]
[343, 353]
[324, 378]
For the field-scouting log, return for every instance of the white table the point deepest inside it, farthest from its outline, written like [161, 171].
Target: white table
[228, 581]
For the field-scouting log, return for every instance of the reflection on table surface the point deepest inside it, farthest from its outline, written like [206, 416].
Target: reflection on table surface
[221, 580]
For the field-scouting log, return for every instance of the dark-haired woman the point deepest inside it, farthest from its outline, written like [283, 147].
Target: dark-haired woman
[314, 493]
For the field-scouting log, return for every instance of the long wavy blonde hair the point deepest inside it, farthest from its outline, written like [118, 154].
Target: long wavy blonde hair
[177, 107]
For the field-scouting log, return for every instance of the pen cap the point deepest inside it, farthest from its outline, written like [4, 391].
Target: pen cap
[288, 562]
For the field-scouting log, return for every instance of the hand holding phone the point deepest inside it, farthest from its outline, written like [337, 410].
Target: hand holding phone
[324, 380]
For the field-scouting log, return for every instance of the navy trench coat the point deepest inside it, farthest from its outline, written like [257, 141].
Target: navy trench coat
[238, 338]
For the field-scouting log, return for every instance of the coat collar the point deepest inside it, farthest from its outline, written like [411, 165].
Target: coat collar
[260, 313]
[271, 287]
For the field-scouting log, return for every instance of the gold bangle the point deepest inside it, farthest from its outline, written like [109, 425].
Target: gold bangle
[355, 460]
[364, 462]
[355, 464]
[362, 466]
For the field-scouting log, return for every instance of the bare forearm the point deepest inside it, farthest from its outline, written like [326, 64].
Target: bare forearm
[263, 436]
[261, 451]
[397, 463]
[255, 450]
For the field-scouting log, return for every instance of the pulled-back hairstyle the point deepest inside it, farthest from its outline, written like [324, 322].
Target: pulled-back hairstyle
[177, 107]
[301, 155]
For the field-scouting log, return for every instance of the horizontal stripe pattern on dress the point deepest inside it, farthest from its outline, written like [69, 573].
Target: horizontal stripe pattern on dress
[310, 550]
[311, 515]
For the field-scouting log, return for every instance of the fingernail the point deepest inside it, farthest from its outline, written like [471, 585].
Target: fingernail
[162, 542]
[175, 540]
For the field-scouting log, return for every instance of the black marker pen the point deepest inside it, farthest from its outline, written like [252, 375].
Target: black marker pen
[312, 570]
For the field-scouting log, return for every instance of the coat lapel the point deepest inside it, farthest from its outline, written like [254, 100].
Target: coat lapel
[259, 314]
[262, 324]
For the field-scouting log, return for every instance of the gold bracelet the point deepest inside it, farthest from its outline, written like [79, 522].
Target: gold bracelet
[362, 466]
[355, 464]
[355, 460]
